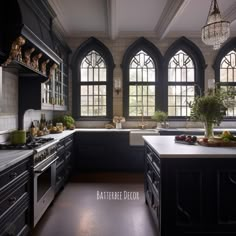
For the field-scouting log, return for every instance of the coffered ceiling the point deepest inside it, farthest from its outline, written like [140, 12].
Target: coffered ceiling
[117, 18]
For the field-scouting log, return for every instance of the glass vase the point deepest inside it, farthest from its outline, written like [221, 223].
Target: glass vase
[209, 132]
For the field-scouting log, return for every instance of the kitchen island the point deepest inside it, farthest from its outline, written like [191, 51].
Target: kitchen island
[190, 189]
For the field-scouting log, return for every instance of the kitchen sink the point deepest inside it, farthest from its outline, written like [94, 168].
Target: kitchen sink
[136, 136]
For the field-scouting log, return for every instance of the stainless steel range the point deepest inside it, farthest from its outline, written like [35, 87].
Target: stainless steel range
[44, 158]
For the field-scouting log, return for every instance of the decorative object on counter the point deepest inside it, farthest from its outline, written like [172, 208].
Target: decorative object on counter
[18, 137]
[186, 139]
[43, 67]
[211, 108]
[57, 129]
[109, 126]
[33, 130]
[226, 139]
[161, 117]
[42, 124]
[15, 53]
[118, 120]
[27, 56]
[67, 120]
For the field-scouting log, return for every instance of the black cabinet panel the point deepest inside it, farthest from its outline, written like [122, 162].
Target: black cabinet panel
[188, 197]
[191, 196]
[107, 151]
[16, 199]
[226, 197]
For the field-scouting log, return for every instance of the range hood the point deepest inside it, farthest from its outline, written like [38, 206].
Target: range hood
[28, 18]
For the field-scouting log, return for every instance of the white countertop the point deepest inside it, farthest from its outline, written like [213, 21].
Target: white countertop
[11, 157]
[166, 147]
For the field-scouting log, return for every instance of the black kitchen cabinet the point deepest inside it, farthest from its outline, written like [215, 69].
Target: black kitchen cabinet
[191, 196]
[64, 165]
[107, 151]
[16, 199]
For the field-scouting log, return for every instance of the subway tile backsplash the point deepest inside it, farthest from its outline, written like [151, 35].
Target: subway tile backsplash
[8, 122]
[31, 115]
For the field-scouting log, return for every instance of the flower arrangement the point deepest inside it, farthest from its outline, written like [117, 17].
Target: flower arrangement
[211, 108]
[118, 120]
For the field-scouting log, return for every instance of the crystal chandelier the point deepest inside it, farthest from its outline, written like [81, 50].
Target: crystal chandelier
[216, 31]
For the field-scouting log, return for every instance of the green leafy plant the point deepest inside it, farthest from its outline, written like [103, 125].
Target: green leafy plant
[211, 107]
[67, 120]
[160, 116]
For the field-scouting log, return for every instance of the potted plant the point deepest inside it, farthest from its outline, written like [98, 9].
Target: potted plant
[160, 117]
[211, 108]
[67, 120]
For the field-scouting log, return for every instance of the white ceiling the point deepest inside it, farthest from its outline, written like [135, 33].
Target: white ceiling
[160, 18]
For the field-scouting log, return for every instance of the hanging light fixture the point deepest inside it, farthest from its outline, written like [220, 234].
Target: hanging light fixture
[216, 31]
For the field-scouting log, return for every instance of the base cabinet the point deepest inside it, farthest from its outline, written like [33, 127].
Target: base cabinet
[191, 196]
[16, 199]
[64, 164]
[107, 151]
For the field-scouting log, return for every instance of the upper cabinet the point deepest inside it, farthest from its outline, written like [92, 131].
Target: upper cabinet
[55, 90]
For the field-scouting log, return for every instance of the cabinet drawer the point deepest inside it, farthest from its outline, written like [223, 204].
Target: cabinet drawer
[153, 159]
[68, 141]
[12, 174]
[13, 198]
[17, 224]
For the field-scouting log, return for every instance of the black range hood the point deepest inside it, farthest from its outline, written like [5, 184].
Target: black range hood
[31, 19]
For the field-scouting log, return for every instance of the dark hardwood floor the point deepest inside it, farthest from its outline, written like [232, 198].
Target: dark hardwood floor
[79, 211]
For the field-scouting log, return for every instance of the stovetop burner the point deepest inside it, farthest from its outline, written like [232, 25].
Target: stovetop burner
[30, 144]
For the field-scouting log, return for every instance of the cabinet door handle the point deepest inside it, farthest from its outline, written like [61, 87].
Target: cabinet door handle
[13, 175]
[12, 200]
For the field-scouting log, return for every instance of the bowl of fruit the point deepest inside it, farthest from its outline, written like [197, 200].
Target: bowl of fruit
[186, 139]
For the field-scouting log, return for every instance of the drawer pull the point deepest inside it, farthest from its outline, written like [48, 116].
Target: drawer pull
[12, 200]
[13, 175]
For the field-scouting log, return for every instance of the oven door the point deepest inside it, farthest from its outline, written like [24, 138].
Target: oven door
[44, 186]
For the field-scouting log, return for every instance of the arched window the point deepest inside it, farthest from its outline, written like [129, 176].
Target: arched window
[181, 82]
[92, 67]
[141, 83]
[225, 71]
[228, 76]
[184, 64]
[93, 79]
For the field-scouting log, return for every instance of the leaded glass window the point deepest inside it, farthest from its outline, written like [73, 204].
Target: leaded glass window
[228, 76]
[93, 85]
[142, 79]
[181, 84]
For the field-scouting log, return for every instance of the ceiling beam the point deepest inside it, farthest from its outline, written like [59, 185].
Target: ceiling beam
[230, 13]
[112, 24]
[171, 11]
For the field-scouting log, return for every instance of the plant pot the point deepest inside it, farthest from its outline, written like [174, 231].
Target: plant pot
[18, 137]
[118, 126]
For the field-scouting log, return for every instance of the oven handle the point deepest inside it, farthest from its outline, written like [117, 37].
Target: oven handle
[45, 167]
